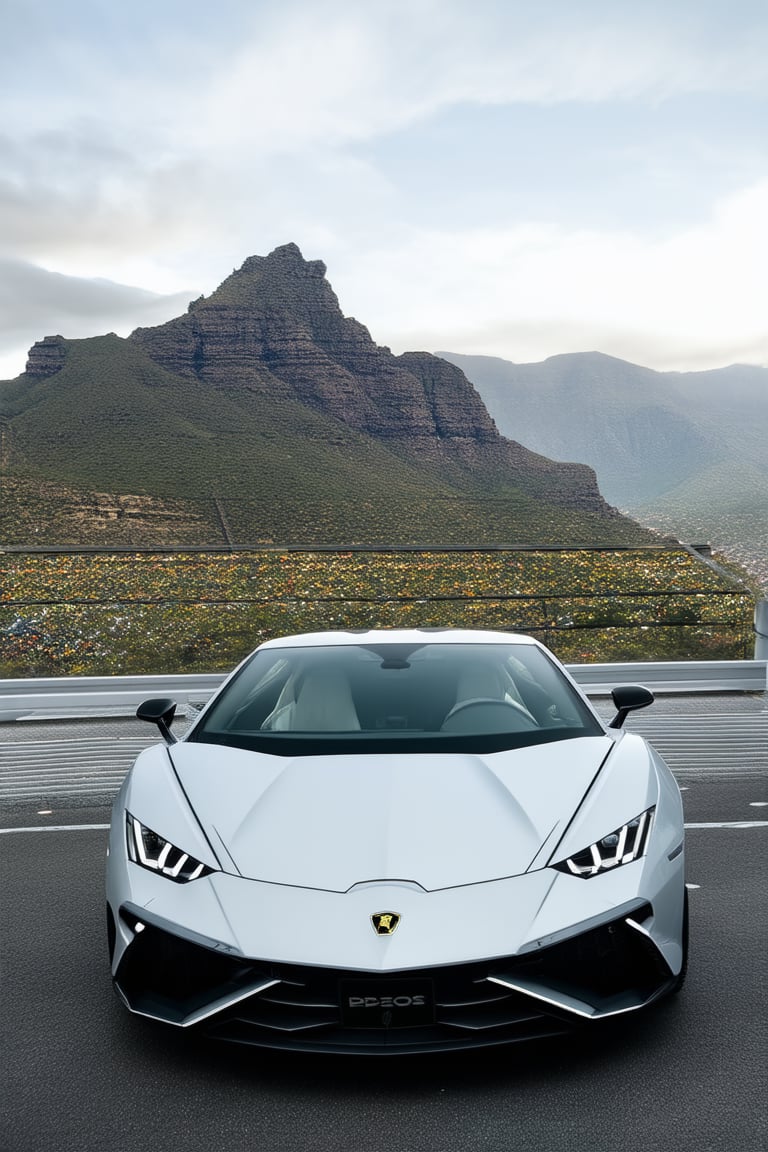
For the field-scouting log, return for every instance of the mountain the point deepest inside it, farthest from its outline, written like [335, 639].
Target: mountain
[265, 415]
[685, 452]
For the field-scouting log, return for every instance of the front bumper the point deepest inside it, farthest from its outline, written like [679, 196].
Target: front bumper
[606, 970]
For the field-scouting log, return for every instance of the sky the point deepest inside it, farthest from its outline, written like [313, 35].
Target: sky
[488, 177]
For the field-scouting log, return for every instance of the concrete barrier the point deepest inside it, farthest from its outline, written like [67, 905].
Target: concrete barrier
[683, 676]
[76, 697]
[80, 697]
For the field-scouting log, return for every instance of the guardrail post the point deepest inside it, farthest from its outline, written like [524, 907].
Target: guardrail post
[761, 630]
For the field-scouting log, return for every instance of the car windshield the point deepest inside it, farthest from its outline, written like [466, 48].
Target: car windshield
[390, 697]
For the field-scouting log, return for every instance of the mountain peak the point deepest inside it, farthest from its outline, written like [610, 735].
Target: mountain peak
[275, 327]
[287, 259]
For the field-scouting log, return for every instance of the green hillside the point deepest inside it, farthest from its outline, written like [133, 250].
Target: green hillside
[727, 503]
[236, 468]
[684, 452]
[622, 419]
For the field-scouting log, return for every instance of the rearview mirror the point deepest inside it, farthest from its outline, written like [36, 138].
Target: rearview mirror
[160, 712]
[627, 698]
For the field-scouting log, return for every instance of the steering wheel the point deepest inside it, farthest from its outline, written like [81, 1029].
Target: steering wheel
[487, 714]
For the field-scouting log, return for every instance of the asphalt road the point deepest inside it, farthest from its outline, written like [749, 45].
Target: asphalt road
[79, 1073]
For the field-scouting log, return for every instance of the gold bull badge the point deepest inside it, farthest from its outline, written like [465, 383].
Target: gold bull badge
[384, 923]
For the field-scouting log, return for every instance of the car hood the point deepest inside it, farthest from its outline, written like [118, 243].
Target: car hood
[435, 821]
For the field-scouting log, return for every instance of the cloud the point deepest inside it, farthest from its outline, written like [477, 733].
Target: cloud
[693, 298]
[161, 147]
[142, 132]
[334, 74]
[35, 303]
[696, 296]
[331, 72]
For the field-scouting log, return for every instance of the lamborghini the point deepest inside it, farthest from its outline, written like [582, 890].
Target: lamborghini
[396, 841]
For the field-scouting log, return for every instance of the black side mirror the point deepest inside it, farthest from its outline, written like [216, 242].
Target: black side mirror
[627, 698]
[160, 712]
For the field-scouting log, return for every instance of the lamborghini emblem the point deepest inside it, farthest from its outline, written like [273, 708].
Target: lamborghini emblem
[384, 923]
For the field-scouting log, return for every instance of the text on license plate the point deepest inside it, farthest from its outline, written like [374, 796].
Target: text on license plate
[387, 1003]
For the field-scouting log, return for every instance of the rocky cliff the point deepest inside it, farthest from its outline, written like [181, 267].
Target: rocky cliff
[46, 358]
[274, 328]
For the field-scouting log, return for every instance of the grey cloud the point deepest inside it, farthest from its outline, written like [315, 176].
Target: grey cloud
[60, 187]
[35, 303]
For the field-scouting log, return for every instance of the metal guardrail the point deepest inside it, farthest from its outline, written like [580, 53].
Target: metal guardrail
[80, 697]
[674, 676]
[75, 697]
[761, 630]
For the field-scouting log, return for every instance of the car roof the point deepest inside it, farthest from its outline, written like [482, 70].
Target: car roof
[399, 636]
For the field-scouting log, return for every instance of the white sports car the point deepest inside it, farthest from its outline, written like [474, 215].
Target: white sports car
[396, 841]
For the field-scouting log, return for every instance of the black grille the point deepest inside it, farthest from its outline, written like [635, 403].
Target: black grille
[304, 1011]
[168, 977]
[612, 968]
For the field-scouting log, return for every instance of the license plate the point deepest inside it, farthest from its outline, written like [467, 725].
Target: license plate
[387, 1003]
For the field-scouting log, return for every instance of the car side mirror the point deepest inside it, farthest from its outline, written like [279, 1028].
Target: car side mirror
[627, 698]
[160, 712]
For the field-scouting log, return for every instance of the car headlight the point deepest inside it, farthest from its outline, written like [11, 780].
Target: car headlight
[154, 852]
[626, 844]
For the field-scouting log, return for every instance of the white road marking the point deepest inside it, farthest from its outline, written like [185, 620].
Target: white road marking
[59, 828]
[733, 824]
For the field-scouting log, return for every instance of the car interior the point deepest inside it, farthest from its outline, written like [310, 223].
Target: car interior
[437, 689]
